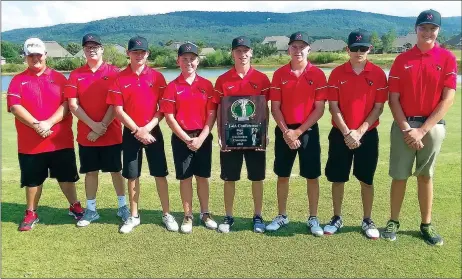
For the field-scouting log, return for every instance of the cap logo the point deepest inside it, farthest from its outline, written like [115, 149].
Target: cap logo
[188, 47]
[430, 16]
[298, 36]
[138, 43]
[358, 38]
[32, 45]
[90, 37]
[240, 40]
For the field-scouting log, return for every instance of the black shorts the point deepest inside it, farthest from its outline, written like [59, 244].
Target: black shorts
[340, 157]
[104, 158]
[309, 153]
[133, 155]
[34, 167]
[231, 164]
[188, 162]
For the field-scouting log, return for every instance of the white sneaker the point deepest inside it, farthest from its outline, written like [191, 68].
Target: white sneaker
[170, 222]
[186, 226]
[334, 225]
[277, 222]
[369, 229]
[313, 224]
[130, 224]
[208, 222]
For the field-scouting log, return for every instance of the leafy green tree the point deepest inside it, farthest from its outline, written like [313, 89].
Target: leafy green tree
[73, 48]
[388, 39]
[376, 42]
[264, 50]
[112, 56]
[11, 52]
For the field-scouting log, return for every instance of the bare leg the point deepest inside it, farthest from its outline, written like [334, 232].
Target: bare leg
[186, 195]
[398, 189]
[282, 193]
[367, 195]
[134, 195]
[118, 182]
[69, 191]
[337, 197]
[162, 191]
[91, 184]
[257, 193]
[33, 196]
[229, 191]
[203, 193]
[313, 195]
[425, 194]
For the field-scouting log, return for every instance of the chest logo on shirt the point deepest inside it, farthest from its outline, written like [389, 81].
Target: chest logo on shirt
[310, 82]
[24, 82]
[407, 66]
[202, 90]
[284, 82]
[79, 79]
[179, 92]
[231, 87]
[370, 82]
[242, 109]
[127, 85]
[438, 67]
[253, 85]
[342, 82]
[105, 77]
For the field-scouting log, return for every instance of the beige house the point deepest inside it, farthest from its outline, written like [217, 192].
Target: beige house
[455, 41]
[280, 42]
[324, 45]
[3, 60]
[205, 51]
[55, 50]
[403, 43]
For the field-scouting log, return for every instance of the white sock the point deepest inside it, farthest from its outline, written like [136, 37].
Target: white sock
[121, 201]
[91, 205]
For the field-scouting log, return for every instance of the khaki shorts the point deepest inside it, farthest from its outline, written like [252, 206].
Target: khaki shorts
[402, 157]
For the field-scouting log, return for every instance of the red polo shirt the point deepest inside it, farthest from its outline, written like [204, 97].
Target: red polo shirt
[139, 95]
[231, 84]
[41, 96]
[298, 95]
[189, 103]
[419, 78]
[357, 94]
[91, 91]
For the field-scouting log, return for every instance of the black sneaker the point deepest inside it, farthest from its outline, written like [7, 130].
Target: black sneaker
[389, 233]
[228, 222]
[258, 224]
[430, 235]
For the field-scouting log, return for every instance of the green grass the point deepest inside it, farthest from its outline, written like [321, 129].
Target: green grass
[56, 248]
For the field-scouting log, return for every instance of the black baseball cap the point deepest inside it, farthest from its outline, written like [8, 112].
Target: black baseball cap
[138, 43]
[188, 48]
[91, 38]
[359, 37]
[299, 36]
[240, 41]
[429, 16]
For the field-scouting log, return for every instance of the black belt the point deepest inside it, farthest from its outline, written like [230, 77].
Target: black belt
[422, 119]
[193, 133]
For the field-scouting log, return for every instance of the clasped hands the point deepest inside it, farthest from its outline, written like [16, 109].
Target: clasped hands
[98, 129]
[413, 138]
[353, 139]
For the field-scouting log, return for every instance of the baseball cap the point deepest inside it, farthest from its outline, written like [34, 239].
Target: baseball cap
[33, 46]
[138, 43]
[299, 36]
[359, 37]
[188, 48]
[429, 16]
[240, 41]
[91, 38]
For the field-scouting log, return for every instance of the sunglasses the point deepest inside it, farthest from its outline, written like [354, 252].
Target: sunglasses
[360, 48]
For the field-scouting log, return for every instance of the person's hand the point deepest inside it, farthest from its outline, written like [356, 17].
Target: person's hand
[291, 135]
[418, 145]
[144, 136]
[221, 146]
[295, 144]
[43, 128]
[92, 136]
[352, 139]
[195, 144]
[99, 127]
[413, 135]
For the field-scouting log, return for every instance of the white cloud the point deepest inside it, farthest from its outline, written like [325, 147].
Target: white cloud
[22, 14]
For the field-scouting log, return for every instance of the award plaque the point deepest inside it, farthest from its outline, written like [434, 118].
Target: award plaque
[243, 121]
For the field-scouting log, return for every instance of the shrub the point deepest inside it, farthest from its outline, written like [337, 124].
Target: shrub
[326, 57]
[13, 68]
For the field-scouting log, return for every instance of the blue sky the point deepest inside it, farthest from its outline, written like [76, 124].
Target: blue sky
[25, 14]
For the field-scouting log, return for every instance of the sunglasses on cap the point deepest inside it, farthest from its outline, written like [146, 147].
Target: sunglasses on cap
[360, 48]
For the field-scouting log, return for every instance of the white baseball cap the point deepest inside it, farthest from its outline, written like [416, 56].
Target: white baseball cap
[34, 45]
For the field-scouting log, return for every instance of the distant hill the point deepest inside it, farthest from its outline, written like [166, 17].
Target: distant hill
[218, 28]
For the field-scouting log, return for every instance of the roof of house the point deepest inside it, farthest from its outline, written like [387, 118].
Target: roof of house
[174, 45]
[328, 45]
[2, 57]
[281, 42]
[55, 50]
[206, 50]
[400, 41]
[454, 41]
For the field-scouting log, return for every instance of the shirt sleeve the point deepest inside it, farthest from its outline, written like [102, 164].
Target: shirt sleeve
[61, 81]
[321, 89]
[161, 84]
[266, 87]
[114, 94]
[275, 89]
[381, 93]
[218, 91]
[70, 89]
[333, 89]
[211, 104]
[168, 102]
[13, 95]
[450, 73]
[394, 78]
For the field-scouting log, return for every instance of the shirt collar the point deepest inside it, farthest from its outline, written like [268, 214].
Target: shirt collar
[47, 72]
[101, 67]
[308, 67]
[435, 49]
[143, 72]
[349, 68]
[180, 79]
[235, 74]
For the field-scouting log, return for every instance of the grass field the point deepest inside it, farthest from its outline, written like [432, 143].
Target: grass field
[57, 248]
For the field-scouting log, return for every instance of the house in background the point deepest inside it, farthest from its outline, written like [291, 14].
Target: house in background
[174, 45]
[455, 41]
[280, 42]
[120, 49]
[205, 51]
[3, 60]
[403, 43]
[324, 45]
[55, 50]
